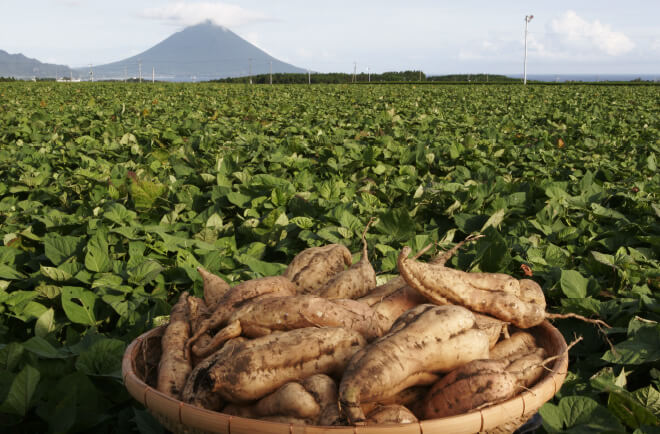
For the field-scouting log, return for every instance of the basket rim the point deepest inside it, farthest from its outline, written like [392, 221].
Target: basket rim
[484, 419]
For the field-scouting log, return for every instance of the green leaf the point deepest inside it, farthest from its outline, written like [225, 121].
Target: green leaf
[103, 358]
[19, 398]
[10, 356]
[56, 274]
[493, 253]
[145, 272]
[397, 223]
[573, 284]
[643, 347]
[303, 222]
[10, 273]
[604, 258]
[59, 248]
[651, 162]
[45, 323]
[44, 349]
[78, 305]
[578, 414]
[239, 199]
[495, 220]
[261, 267]
[97, 259]
[214, 222]
[649, 397]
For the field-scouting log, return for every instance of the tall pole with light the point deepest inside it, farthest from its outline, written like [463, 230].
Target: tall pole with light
[528, 18]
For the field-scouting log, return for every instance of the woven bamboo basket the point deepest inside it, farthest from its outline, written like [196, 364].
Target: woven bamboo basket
[139, 369]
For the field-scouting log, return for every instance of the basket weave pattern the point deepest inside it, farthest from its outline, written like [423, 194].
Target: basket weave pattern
[140, 363]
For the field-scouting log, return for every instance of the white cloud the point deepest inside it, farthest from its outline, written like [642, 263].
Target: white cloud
[567, 37]
[577, 34]
[223, 14]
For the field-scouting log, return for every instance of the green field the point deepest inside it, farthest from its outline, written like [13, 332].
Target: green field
[112, 194]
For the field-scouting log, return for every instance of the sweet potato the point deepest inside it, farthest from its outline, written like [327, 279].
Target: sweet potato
[395, 296]
[518, 364]
[259, 366]
[290, 400]
[261, 317]
[201, 395]
[498, 296]
[312, 268]
[197, 313]
[324, 390]
[234, 298]
[173, 367]
[411, 398]
[214, 288]
[469, 387]
[424, 341]
[520, 342]
[528, 368]
[355, 282]
[392, 414]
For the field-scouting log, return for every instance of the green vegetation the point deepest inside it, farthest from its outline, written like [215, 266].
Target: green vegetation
[328, 78]
[112, 194]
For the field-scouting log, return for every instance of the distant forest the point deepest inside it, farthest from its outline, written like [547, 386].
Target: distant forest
[385, 77]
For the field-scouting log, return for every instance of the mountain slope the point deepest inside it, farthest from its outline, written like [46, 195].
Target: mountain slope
[201, 52]
[19, 66]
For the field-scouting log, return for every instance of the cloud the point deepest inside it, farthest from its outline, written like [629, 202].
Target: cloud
[567, 37]
[576, 33]
[223, 14]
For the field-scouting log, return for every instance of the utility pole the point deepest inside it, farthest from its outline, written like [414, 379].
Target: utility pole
[354, 72]
[271, 72]
[153, 74]
[140, 71]
[368, 75]
[528, 18]
[309, 77]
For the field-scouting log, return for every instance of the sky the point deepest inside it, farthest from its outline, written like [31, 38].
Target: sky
[438, 37]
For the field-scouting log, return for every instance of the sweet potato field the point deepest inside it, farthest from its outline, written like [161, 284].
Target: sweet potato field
[111, 196]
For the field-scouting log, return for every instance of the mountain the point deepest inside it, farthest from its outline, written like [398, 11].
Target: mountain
[19, 66]
[201, 52]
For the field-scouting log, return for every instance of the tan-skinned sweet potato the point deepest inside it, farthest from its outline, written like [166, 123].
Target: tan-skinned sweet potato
[469, 387]
[496, 297]
[197, 314]
[392, 414]
[259, 366]
[312, 268]
[200, 396]
[324, 390]
[520, 342]
[410, 398]
[239, 295]
[264, 316]
[173, 368]
[424, 341]
[214, 288]
[290, 400]
[355, 282]
[479, 383]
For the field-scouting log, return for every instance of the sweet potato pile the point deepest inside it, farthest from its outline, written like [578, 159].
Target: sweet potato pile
[323, 345]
